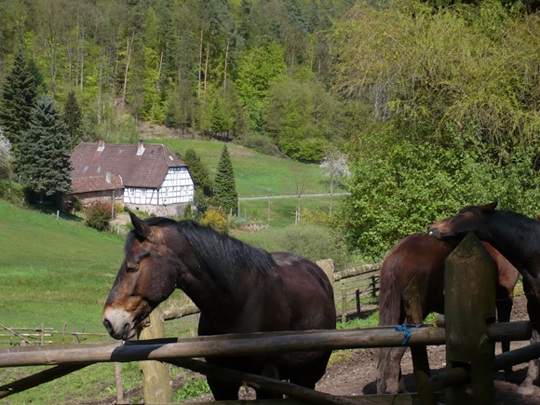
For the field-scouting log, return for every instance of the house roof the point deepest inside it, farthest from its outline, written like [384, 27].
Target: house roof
[96, 183]
[138, 165]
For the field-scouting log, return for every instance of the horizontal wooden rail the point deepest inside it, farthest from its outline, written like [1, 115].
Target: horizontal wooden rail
[356, 271]
[241, 344]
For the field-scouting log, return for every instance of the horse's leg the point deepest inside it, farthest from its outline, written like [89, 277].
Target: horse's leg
[504, 309]
[270, 370]
[221, 390]
[311, 372]
[389, 379]
[527, 386]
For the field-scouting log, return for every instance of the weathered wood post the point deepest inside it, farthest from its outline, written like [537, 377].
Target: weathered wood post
[469, 307]
[156, 375]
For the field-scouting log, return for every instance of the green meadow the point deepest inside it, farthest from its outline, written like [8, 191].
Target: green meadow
[53, 271]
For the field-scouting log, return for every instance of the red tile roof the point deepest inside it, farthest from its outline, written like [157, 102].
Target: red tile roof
[96, 183]
[92, 161]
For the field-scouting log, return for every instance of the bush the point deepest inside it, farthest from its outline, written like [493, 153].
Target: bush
[215, 219]
[260, 143]
[98, 216]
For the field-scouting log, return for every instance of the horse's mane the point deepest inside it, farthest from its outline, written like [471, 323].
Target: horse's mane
[224, 256]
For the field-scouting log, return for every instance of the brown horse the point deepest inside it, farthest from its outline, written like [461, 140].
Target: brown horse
[237, 287]
[422, 257]
[517, 237]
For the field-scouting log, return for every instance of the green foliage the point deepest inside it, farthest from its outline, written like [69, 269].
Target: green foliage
[18, 96]
[397, 190]
[73, 119]
[225, 186]
[300, 115]
[98, 216]
[42, 162]
[257, 69]
[312, 241]
[199, 172]
[196, 386]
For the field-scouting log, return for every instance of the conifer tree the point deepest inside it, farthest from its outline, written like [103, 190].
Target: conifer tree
[18, 97]
[43, 156]
[225, 189]
[73, 119]
[199, 172]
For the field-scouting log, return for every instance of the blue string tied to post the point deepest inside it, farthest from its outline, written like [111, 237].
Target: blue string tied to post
[406, 332]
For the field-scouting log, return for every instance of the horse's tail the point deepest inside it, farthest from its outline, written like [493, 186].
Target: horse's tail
[389, 314]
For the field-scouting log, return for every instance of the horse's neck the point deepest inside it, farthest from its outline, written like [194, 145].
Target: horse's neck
[210, 296]
[519, 243]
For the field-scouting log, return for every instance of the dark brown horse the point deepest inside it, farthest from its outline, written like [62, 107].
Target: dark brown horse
[517, 237]
[422, 257]
[237, 287]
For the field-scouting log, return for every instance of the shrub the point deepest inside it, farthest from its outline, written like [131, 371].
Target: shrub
[216, 220]
[98, 216]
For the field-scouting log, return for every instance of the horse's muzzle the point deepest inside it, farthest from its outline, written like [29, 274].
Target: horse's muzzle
[119, 323]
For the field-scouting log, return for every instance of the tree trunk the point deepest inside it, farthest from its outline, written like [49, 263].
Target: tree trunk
[225, 68]
[128, 59]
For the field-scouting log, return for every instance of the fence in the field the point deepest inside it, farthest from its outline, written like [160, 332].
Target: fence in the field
[469, 334]
[43, 335]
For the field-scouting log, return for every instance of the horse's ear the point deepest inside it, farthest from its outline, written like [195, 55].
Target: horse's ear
[489, 207]
[141, 228]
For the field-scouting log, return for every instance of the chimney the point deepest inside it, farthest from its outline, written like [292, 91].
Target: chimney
[101, 146]
[140, 147]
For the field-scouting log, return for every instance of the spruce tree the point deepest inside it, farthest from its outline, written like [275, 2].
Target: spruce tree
[43, 156]
[18, 97]
[199, 172]
[73, 119]
[225, 188]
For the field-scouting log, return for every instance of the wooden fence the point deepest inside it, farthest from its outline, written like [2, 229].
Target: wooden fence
[469, 334]
[44, 336]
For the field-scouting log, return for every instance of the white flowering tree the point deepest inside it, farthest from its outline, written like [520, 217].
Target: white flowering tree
[6, 157]
[334, 167]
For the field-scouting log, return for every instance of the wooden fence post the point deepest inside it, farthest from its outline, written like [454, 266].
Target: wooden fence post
[343, 304]
[156, 375]
[469, 308]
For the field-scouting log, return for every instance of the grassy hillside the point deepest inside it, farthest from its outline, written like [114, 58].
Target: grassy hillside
[53, 271]
[255, 173]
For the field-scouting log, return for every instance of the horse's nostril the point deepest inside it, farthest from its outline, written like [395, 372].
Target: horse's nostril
[108, 326]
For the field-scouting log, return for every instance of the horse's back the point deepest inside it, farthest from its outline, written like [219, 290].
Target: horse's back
[419, 256]
[305, 291]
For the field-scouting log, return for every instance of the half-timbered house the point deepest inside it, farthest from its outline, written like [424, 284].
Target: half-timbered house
[146, 177]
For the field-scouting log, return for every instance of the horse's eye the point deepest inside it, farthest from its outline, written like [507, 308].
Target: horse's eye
[131, 267]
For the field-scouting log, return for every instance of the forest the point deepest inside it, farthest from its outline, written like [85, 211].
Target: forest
[435, 103]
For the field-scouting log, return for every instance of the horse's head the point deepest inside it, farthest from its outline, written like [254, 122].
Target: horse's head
[469, 219]
[146, 277]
